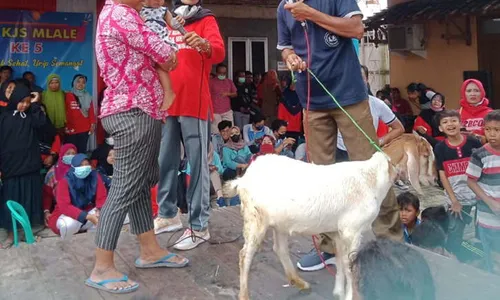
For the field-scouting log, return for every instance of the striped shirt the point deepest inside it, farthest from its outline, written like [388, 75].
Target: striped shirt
[484, 166]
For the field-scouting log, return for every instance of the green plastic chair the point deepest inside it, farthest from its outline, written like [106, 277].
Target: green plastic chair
[19, 214]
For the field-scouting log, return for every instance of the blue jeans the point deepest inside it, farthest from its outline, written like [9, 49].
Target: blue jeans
[490, 238]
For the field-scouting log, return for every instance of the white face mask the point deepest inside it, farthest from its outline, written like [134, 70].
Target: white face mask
[110, 141]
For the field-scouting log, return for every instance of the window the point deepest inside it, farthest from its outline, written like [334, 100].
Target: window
[247, 54]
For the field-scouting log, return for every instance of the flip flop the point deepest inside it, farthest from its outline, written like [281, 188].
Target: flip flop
[162, 263]
[100, 285]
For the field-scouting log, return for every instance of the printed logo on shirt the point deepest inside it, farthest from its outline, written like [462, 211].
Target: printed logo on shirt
[456, 167]
[178, 39]
[331, 40]
[471, 124]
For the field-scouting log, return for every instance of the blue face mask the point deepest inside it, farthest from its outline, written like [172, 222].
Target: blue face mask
[67, 159]
[82, 172]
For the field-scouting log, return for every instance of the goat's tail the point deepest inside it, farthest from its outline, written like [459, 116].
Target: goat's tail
[230, 189]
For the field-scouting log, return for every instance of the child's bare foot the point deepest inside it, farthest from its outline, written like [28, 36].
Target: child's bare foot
[168, 99]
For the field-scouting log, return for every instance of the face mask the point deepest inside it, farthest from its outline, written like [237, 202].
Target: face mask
[110, 141]
[82, 172]
[259, 127]
[221, 77]
[235, 138]
[281, 136]
[266, 148]
[67, 159]
[241, 79]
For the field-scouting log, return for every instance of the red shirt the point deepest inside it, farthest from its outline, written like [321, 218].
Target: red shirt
[191, 100]
[472, 117]
[65, 207]
[294, 121]
[221, 104]
[76, 122]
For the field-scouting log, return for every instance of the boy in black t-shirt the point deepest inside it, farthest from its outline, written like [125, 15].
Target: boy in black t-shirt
[452, 158]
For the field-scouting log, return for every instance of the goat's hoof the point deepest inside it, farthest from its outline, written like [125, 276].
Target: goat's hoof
[243, 297]
[300, 284]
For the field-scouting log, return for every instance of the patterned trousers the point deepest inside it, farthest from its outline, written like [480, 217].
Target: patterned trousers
[137, 145]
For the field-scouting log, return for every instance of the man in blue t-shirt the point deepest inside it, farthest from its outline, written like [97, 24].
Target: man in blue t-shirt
[330, 27]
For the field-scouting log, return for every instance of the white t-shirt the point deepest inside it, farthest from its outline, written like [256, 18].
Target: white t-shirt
[379, 110]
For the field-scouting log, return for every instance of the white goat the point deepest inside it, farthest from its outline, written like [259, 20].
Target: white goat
[342, 199]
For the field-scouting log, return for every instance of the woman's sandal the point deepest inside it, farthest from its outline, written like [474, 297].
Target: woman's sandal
[162, 263]
[100, 285]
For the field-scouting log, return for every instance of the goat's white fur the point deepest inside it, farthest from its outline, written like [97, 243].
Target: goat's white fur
[343, 199]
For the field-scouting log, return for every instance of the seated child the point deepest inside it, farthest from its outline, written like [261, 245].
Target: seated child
[235, 155]
[484, 180]
[452, 158]
[157, 16]
[80, 196]
[409, 208]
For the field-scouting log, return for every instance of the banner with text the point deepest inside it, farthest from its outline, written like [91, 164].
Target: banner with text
[49, 42]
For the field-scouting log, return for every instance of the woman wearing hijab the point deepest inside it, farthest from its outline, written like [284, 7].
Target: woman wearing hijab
[20, 157]
[189, 116]
[80, 195]
[105, 157]
[290, 109]
[53, 99]
[426, 123]
[270, 93]
[474, 106]
[80, 117]
[54, 175]
[235, 155]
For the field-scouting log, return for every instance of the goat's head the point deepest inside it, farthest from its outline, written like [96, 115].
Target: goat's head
[395, 171]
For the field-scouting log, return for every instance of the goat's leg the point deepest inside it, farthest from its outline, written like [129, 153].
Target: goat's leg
[351, 240]
[413, 169]
[339, 288]
[254, 232]
[280, 247]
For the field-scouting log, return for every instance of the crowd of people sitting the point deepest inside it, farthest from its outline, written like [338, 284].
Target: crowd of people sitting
[45, 164]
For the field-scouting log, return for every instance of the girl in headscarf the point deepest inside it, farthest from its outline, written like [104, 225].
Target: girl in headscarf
[235, 155]
[104, 155]
[474, 107]
[426, 123]
[20, 157]
[80, 196]
[290, 109]
[80, 115]
[53, 98]
[54, 175]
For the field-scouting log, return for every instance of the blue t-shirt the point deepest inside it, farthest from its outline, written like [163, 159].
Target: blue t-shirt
[333, 58]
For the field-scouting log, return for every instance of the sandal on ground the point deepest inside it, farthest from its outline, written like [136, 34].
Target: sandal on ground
[162, 263]
[100, 285]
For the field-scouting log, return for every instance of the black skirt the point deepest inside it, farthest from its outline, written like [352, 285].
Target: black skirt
[25, 190]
